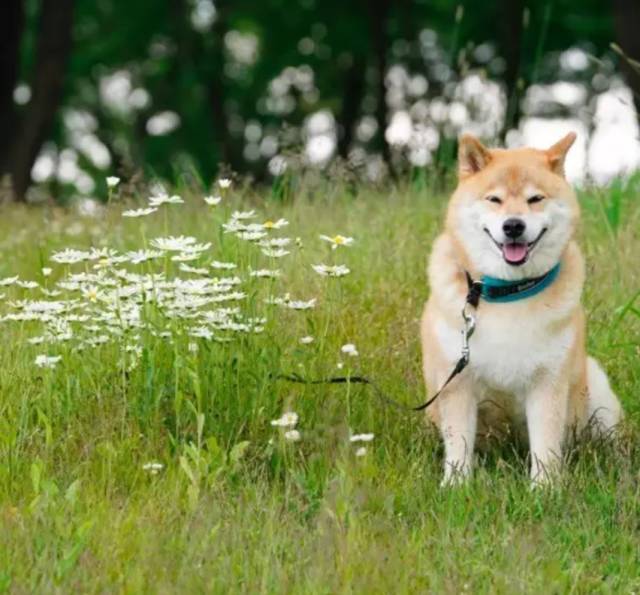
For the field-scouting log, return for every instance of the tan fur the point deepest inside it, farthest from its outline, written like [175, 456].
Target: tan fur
[554, 394]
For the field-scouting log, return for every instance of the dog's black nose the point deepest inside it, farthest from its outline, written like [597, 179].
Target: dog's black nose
[513, 227]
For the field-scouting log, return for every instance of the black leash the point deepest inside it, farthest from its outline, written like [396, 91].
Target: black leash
[472, 299]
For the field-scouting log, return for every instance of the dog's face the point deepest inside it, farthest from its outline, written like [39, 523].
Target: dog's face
[513, 212]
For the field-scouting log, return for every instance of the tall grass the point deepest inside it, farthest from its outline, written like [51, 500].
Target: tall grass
[158, 469]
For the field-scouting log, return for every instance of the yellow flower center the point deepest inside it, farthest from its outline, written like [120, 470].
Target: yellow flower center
[268, 224]
[338, 240]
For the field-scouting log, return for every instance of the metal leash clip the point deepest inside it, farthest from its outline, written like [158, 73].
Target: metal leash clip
[469, 327]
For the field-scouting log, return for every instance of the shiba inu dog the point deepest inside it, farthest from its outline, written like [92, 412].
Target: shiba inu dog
[510, 225]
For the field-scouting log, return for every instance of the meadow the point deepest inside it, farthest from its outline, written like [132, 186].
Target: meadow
[146, 444]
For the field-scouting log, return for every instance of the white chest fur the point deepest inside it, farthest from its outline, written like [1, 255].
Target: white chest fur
[510, 348]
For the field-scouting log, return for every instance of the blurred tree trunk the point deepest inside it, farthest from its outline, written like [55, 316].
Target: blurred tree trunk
[354, 86]
[217, 87]
[512, 34]
[627, 24]
[378, 15]
[11, 28]
[52, 51]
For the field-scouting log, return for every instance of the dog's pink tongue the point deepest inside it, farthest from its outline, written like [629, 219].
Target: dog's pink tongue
[514, 252]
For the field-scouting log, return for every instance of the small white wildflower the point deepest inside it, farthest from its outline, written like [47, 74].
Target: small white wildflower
[8, 281]
[349, 349]
[240, 215]
[213, 200]
[70, 256]
[300, 304]
[275, 224]
[337, 240]
[251, 236]
[153, 468]
[274, 242]
[194, 270]
[163, 199]
[360, 452]
[47, 361]
[266, 273]
[292, 436]
[339, 365]
[174, 244]
[307, 340]
[336, 270]
[361, 437]
[287, 420]
[140, 256]
[46, 271]
[223, 265]
[224, 182]
[139, 212]
[27, 284]
[274, 253]
[192, 347]
[112, 181]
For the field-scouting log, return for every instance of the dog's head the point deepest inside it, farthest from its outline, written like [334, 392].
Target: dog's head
[513, 212]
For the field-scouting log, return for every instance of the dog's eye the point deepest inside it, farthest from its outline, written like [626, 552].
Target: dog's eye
[495, 199]
[535, 198]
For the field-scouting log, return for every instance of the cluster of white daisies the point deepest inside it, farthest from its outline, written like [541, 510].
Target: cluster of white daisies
[102, 295]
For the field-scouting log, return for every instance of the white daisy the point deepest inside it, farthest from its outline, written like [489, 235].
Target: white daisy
[47, 361]
[337, 240]
[194, 270]
[362, 451]
[223, 265]
[361, 438]
[224, 182]
[265, 273]
[240, 215]
[139, 256]
[349, 349]
[275, 224]
[301, 305]
[213, 200]
[275, 242]
[112, 181]
[174, 244]
[8, 281]
[326, 270]
[153, 468]
[46, 271]
[275, 252]
[70, 256]
[164, 199]
[139, 212]
[292, 436]
[287, 420]
[307, 340]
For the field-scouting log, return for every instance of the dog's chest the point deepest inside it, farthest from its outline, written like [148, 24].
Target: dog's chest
[509, 350]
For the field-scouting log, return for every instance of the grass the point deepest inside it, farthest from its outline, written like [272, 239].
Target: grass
[237, 508]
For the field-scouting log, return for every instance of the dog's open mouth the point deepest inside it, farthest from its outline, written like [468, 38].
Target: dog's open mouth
[516, 253]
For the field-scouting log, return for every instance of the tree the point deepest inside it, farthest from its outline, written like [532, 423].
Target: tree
[627, 22]
[47, 82]
[11, 28]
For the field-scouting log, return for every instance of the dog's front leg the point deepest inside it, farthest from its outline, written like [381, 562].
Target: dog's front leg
[458, 419]
[546, 408]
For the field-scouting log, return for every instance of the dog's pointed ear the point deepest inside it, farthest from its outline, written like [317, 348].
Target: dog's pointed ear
[472, 156]
[557, 153]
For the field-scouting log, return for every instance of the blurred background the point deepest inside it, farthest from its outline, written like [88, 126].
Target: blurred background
[190, 90]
